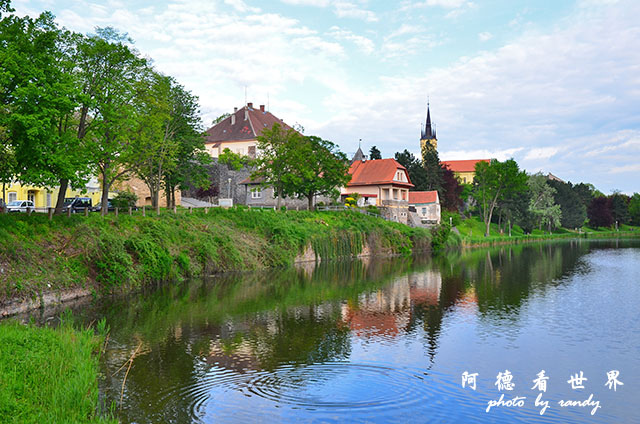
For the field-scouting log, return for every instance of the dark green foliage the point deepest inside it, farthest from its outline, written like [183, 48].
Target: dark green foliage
[417, 173]
[574, 212]
[374, 153]
[433, 168]
[585, 192]
[439, 236]
[634, 209]
[125, 199]
[620, 208]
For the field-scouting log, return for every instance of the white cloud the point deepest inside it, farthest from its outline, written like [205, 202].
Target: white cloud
[485, 36]
[365, 44]
[347, 9]
[541, 153]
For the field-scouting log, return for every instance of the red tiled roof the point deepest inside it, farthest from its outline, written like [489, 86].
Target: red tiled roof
[419, 197]
[463, 165]
[376, 172]
[243, 129]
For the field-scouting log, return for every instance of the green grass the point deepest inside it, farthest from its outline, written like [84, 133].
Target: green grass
[108, 254]
[472, 233]
[48, 375]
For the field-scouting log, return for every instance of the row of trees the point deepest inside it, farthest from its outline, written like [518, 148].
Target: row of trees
[503, 193]
[502, 189]
[74, 106]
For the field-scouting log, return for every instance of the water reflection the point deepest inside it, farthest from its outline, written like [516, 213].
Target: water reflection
[383, 340]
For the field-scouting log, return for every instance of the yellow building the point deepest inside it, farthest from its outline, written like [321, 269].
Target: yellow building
[464, 170]
[43, 197]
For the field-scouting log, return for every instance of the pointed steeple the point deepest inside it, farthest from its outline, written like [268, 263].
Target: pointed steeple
[359, 156]
[429, 130]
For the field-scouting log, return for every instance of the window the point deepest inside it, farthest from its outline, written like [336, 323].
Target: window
[13, 196]
[256, 193]
[48, 200]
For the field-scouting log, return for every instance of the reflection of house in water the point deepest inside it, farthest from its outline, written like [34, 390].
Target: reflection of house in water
[389, 311]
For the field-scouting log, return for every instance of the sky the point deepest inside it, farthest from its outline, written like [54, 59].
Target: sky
[554, 84]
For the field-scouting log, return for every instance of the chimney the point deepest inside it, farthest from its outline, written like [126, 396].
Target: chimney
[262, 108]
[233, 116]
[250, 105]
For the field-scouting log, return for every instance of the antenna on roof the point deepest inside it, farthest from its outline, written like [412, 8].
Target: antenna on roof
[267, 102]
[359, 142]
[245, 95]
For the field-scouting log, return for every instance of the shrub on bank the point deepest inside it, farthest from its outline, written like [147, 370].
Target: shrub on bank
[113, 253]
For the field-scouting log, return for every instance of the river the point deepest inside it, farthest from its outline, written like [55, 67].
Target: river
[387, 340]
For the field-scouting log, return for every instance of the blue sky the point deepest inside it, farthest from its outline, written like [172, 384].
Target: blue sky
[553, 84]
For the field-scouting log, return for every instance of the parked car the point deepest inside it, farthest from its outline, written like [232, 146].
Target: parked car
[76, 204]
[98, 207]
[110, 207]
[20, 206]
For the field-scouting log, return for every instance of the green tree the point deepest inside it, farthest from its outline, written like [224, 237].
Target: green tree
[316, 168]
[542, 205]
[374, 153]
[634, 209]
[574, 212]
[417, 172]
[620, 207]
[433, 168]
[113, 72]
[493, 182]
[274, 162]
[233, 160]
[38, 102]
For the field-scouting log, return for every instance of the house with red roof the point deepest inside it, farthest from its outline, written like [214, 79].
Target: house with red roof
[426, 205]
[381, 182]
[239, 131]
[464, 170]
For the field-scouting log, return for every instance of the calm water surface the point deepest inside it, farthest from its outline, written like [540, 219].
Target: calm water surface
[385, 340]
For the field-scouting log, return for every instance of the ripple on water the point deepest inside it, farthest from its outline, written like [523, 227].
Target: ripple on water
[330, 386]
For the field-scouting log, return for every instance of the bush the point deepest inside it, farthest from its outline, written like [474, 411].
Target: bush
[124, 199]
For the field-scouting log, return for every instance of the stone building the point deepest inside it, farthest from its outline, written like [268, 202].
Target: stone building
[239, 131]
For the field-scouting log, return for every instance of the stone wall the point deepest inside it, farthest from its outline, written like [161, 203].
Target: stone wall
[228, 183]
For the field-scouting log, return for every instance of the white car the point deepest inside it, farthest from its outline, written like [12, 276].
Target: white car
[20, 206]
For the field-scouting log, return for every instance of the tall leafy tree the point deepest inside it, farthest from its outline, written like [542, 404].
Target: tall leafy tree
[417, 172]
[599, 212]
[113, 72]
[274, 164]
[374, 153]
[542, 204]
[317, 168]
[451, 194]
[433, 168]
[634, 209]
[39, 99]
[493, 182]
[574, 212]
[620, 207]
[168, 128]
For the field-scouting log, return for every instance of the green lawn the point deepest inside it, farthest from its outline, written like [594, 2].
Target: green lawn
[48, 375]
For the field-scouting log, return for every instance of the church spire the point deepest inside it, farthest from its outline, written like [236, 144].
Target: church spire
[429, 131]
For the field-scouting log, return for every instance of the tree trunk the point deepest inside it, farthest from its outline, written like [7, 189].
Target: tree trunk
[279, 197]
[310, 198]
[509, 228]
[64, 184]
[104, 198]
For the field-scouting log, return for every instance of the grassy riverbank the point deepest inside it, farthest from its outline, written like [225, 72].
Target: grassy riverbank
[472, 234]
[48, 375]
[111, 253]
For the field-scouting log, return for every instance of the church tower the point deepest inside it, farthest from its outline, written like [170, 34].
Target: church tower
[428, 133]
